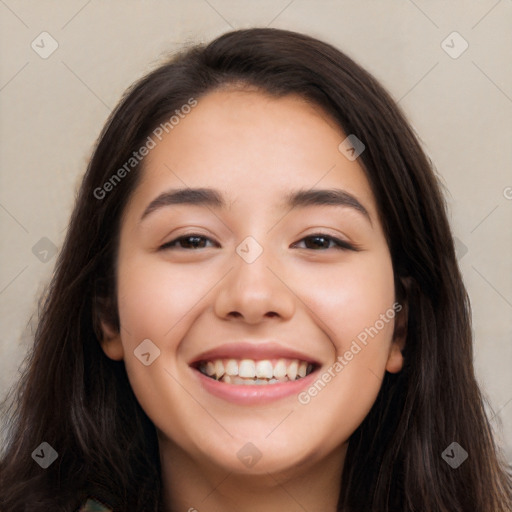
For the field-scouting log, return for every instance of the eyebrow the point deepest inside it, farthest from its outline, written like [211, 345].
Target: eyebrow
[209, 197]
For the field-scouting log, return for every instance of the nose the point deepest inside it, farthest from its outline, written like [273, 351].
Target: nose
[252, 292]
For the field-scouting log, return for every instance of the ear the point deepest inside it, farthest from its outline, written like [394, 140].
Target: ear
[111, 341]
[105, 327]
[395, 358]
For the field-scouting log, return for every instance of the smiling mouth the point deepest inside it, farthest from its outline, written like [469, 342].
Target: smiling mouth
[255, 372]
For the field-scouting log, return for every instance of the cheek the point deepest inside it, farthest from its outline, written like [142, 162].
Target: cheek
[352, 297]
[153, 300]
[158, 305]
[357, 305]
[153, 304]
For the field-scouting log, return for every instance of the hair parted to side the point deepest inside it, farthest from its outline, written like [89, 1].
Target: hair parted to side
[80, 402]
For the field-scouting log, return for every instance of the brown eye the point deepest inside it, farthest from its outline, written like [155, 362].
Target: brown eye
[314, 242]
[322, 241]
[187, 242]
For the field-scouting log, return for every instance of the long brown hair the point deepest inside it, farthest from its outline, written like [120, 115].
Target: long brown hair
[80, 402]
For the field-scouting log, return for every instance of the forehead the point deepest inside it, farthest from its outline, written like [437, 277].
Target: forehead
[254, 147]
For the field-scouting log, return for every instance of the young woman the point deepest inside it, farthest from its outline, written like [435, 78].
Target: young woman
[257, 306]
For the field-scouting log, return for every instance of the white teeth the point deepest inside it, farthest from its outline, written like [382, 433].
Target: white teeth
[250, 372]
[292, 370]
[210, 368]
[251, 382]
[219, 368]
[280, 369]
[232, 367]
[247, 368]
[264, 369]
[239, 380]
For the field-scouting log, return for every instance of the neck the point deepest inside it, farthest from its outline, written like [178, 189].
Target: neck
[201, 486]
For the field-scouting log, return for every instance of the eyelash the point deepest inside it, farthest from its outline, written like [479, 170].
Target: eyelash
[339, 244]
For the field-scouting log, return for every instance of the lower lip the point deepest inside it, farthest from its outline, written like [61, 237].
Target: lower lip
[256, 393]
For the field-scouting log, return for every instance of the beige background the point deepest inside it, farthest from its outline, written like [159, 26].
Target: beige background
[52, 110]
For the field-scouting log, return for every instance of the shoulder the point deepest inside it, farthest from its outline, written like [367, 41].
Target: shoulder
[92, 505]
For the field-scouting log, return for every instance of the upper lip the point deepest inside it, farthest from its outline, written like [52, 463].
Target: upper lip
[252, 350]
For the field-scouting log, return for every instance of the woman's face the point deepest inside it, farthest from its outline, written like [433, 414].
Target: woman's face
[247, 278]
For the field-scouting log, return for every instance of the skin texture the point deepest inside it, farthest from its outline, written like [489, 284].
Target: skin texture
[254, 149]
